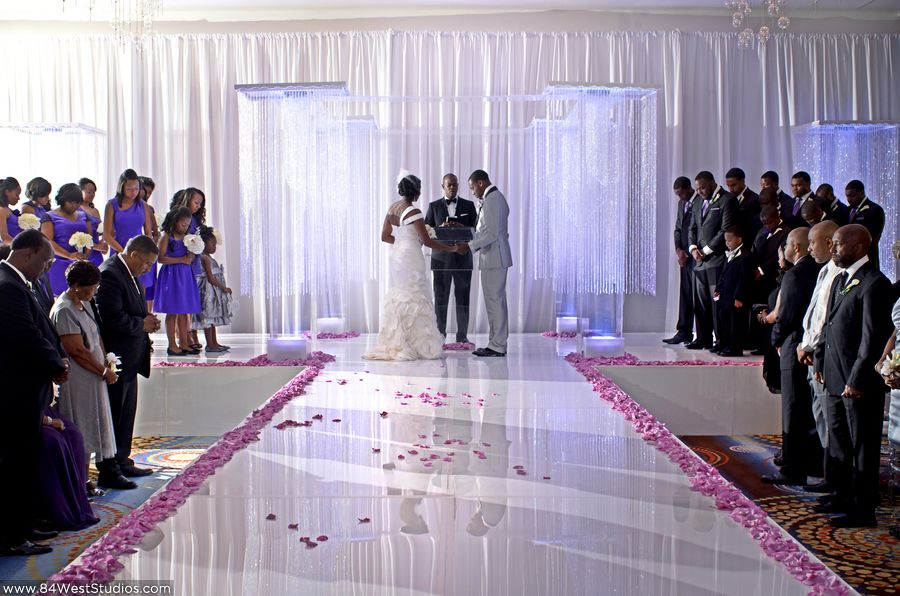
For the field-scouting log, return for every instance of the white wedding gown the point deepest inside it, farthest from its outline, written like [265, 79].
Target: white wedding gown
[408, 325]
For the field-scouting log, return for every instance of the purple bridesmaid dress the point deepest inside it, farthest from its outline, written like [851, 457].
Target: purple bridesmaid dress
[176, 289]
[12, 223]
[196, 265]
[128, 223]
[39, 211]
[96, 257]
[62, 231]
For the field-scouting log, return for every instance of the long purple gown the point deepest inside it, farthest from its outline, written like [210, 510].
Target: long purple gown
[96, 257]
[62, 231]
[128, 223]
[62, 475]
[176, 288]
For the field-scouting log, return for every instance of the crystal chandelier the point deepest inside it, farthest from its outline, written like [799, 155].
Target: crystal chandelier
[130, 19]
[740, 17]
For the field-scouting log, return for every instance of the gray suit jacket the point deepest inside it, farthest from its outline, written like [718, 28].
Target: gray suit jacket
[492, 232]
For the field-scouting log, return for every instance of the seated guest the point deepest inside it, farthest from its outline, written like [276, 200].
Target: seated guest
[867, 214]
[84, 398]
[857, 328]
[800, 186]
[801, 450]
[732, 295]
[784, 203]
[747, 202]
[834, 209]
[812, 213]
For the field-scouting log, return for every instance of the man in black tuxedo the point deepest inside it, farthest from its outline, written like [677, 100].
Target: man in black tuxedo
[770, 180]
[747, 203]
[451, 210]
[800, 186]
[714, 211]
[834, 209]
[857, 327]
[801, 450]
[124, 327]
[684, 330]
[31, 360]
[868, 214]
[813, 213]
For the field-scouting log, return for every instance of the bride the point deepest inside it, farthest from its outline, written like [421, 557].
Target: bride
[408, 325]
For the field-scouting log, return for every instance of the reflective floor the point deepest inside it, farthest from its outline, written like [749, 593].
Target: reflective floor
[457, 476]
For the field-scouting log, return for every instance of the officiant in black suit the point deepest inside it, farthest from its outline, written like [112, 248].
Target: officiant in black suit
[451, 268]
[124, 327]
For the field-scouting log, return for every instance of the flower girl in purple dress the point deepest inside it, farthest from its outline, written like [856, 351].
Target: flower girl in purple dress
[176, 291]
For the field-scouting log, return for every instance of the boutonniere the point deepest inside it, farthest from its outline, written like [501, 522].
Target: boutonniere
[863, 208]
[853, 283]
[715, 198]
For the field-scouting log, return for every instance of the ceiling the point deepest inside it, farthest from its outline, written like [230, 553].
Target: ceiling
[249, 10]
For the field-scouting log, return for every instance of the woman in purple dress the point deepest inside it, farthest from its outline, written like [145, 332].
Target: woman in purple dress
[195, 200]
[88, 192]
[177, 294]
[147, 188]
[127, 216]
[58, 226]
[38, 192]
[9, 217]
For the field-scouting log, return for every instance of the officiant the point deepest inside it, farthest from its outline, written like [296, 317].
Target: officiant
[451, 211]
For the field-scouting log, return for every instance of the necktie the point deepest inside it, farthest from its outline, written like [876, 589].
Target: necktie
[837, 287]
[705, 207]
[687, 207]
[450, 201]
[797, 202]
[852, 214]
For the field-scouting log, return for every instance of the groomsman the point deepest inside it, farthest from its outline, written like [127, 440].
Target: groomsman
[866, 213]
[451, 268]
[836, 211]
[714, 211]
[747, 203]
[801, 450]
[684, 329]
[812, 213]
[770, 180]
[800, 186]
[857, 327]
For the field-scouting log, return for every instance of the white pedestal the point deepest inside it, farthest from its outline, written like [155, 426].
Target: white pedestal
[566, 324]
[330, 324]
[603, 346]
[287, 348]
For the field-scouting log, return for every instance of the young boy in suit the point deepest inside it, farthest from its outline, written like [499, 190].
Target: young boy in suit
[732, 295]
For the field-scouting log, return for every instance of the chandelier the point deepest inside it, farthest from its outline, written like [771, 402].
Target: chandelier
[130, 19]
[740, 17]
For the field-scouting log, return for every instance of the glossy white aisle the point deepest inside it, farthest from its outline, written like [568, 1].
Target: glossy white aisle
[531, 485]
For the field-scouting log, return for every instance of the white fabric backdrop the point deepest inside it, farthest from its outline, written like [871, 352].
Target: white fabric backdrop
[171, 112]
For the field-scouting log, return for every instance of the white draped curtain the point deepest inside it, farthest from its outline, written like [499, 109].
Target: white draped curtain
[170, 109]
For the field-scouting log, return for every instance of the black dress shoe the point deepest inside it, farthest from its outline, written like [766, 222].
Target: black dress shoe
[478, 351]
[37, 535]
[677, 339]
[489, 353]
[757, 353]
[697, 345]
[118, 482]
[731, 353]
[25, 549]
[819, 487]
[135, 472]
[854, 521]
[831, 507]
[782, 479]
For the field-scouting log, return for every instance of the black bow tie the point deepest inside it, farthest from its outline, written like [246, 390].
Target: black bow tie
[450, 201]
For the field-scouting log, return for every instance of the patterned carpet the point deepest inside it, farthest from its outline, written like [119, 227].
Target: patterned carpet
[868, 558]
[166, 455]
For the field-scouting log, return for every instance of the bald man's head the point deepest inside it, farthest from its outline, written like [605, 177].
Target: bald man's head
[820, 241]
[851, 243]
[797, 245]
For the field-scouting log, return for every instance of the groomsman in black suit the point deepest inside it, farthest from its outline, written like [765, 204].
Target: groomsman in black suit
[747, 203]
[770, 180]
[801, 450]
[714, 211]
[857, 327]
[868, 214]
[834, 209]
[124, 327]
[800, 186]
[31, 360]
[450, 268]
[812, 212]
[684, 330]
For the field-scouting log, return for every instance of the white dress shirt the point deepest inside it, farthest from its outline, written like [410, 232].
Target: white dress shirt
[814, 319]
[451, 207]
[129, 273]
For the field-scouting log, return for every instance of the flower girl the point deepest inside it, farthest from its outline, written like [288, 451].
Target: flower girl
[215, 295]
[176, 290]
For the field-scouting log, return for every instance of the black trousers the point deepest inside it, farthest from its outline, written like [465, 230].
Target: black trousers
[685, 326]
[732, 328]
[20, 444]
[123, 405]
[705, 309]
[854, 442]
[462, 284]
[801, 449]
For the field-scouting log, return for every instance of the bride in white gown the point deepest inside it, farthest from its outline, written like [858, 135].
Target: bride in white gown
[408, 325]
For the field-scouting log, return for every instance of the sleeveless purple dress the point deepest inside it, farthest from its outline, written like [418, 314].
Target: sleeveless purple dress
[39, 211]
[176, 290]
[12, 223]
[128, 223]
[96, 257]
[62, 230]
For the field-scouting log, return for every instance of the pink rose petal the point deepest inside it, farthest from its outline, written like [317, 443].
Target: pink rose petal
[322, 538]
[270, 517]
[364, 520]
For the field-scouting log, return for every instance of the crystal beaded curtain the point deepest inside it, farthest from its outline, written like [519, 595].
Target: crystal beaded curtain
[838, 152]
[596, 153]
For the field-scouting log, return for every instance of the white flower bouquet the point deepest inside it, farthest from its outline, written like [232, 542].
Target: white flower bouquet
[431, 233]
[193, 243]
[891, 366]
[113, 362]
[81, 241]
[29, 221]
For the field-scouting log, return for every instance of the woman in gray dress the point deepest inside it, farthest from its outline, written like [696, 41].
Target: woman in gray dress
[84, 399]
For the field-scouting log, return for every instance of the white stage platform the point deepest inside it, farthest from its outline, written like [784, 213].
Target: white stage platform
[614, 515]
[720, 400]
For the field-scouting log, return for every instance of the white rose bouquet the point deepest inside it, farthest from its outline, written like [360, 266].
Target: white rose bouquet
[891, 366]
[113, 362]
[193, 243]
[81, 241]
[29, 221]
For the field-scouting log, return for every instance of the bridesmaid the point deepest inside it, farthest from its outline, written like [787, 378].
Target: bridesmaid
[38, 192]
[177, 293]
[9, 218]
[88, 192]
[147, 188]
[58, 226]
[195, 201]
[127, 216]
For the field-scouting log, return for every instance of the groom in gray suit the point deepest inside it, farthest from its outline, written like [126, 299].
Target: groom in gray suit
[491, 242]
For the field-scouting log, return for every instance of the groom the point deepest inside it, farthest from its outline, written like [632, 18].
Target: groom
[491, 241]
